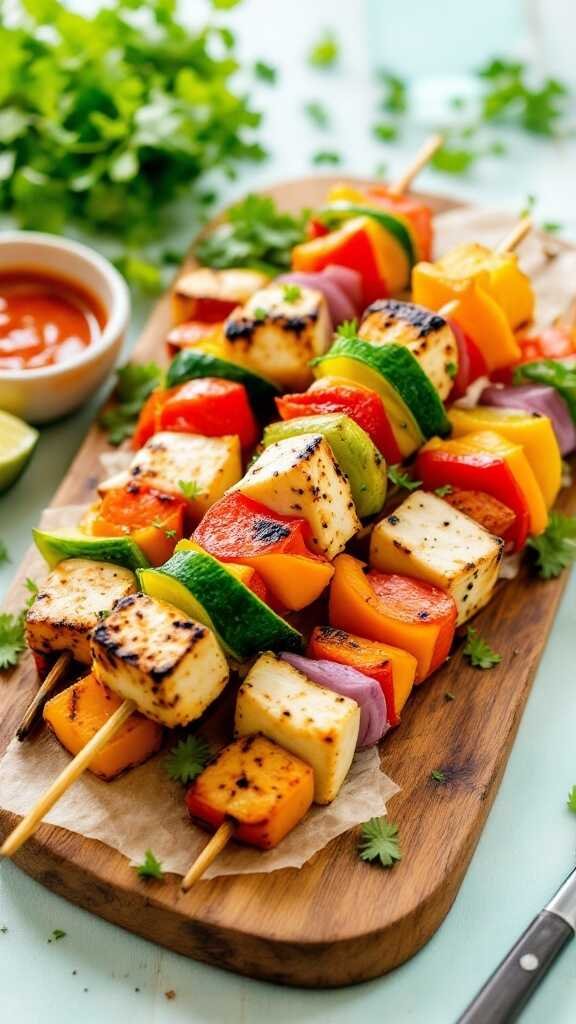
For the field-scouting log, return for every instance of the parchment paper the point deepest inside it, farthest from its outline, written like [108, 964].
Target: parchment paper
[144, 808]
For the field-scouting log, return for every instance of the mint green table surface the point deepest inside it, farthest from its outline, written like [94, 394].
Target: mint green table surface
[97, 972]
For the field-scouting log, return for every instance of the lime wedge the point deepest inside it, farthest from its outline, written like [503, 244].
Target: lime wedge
[17, 442]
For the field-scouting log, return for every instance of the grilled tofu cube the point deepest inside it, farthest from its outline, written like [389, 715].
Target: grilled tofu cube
[149, 652]
[278, 337]
[316, 724]
[425, 537]
[263, 789]
[210, 295]
[80, 711]
[427, 335]
[299, 476]
[212, 464]
[69, 605]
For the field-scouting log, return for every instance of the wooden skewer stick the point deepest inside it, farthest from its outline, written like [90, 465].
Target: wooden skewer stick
[217, 843]
[512, 240]
[58, 670]
[424, 154]
[73, 771]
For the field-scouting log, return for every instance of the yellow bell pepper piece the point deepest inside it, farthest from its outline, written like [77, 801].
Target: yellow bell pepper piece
[534, 433]
[513, 454]
[478, 313]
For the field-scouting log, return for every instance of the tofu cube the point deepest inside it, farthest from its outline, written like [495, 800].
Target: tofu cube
[316, 724]
[425, 537]
[150, 652]
[299, 476]
[262, 788]
[213, 464]
[210, 295]
[278, 337]
[69, 605]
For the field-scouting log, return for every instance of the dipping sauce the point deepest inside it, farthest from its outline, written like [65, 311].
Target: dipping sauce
[44, 320]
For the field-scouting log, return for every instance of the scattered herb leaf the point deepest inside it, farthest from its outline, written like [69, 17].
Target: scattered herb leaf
[135, 383]
[188, 758]
[190, 489]
[150, 867]
[478, 651]
[438, 775]
[453, 159]
[379, 841]
[265, 72]
[555, 549]
[399, 478]
[395, 99]
[260, 313]
[325, 52]
[318, 114]
[326, 157]
[170, 534]
[4, 556]
[571, 801]
[444, 490]
[449, 696]
[291, 292]
[510, 99]
[12, 642]
[384, 131]
[451, 370]
[552, 227]
[56, 935]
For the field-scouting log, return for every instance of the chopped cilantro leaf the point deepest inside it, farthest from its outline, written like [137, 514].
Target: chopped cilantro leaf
[379, 842]
[291, 292]
[325, 52]
[317, 113]
[555, 549]
[478, 651]
[328, 157]
[444, 490]
[384, 131]
[150, 867]
[188, 758]
[395, 99]
[400, 479]
[135, 384]
[438, 776]
[190, 489]
[265, 72]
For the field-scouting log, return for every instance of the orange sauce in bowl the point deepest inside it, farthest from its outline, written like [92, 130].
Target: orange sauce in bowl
[45, 320]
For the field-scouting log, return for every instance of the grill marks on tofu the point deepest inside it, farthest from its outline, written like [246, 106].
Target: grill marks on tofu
[428, 336]
[278, 338]
[70, 602]
[171, 666]
[299, 476]
[214, 464]
[428, 539]
[315, 724]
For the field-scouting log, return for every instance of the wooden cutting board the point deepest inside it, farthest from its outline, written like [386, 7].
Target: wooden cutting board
[337, 920]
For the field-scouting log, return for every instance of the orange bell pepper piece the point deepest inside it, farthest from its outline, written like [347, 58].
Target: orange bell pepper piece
[416, 616]
[154, 521]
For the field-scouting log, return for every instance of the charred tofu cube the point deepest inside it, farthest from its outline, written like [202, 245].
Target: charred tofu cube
[277, 336]
[261, 788]
[149, 652]
[318, 725]
[299, 476]
[206, 466]
[70, 604]
[428, 539]
[210, 295]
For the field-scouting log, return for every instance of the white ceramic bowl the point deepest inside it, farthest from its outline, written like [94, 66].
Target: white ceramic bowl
[47, 392]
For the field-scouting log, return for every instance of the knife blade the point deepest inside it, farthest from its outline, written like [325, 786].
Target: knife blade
[509, 988]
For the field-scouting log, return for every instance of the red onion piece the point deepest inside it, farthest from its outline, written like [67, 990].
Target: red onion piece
[339, 305]
[536, 398]
[350, 281]
[349, 682]
[462, 378]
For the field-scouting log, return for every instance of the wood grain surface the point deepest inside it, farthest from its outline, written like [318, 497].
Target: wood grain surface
[337, 920]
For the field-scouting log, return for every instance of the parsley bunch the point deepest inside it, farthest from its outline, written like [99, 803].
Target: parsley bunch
[254, 234]
[105, 120]
[555, 549]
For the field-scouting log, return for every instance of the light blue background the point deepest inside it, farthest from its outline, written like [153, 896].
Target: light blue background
[528, 844]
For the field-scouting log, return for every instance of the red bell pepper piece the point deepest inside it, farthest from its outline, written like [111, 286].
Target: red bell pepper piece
[354, 245]
[479, 471]
[237, 527]
[209, 406]
[361, 404]
[554, 342]
[147, 421]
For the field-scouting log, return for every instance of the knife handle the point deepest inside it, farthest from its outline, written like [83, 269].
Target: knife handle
[513, 982]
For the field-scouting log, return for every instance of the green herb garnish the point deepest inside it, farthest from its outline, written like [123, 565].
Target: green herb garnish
[478, 651]
[265, 72]
[135, 383]
[328, 157]
[325, 51]
[56, 935]
[384, 131]
[150, 867]
[291, 292]
[438, 776]
[255, 234]
[453, 159]
[571, 801]
[379, 841]
[555, 549]
[510, 99]
[444, 490]
[395, 99]
[188, 758]
[399, 478]
[4, 556]
[190, 489]
[318, 114]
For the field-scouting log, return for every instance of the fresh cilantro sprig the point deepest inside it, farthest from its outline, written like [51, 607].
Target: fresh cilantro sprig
[395, 93]
[265, 72]
[255, 233]
[188, 758]
[379, 842]
[399, 478]
[444, 490]
[190, 489]
[291, 292]
[318, 114]
[509, 97]
[13, 630]
[135, 383]
[150, 867]
[555, 549]
[478, 651]
[437, 775]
